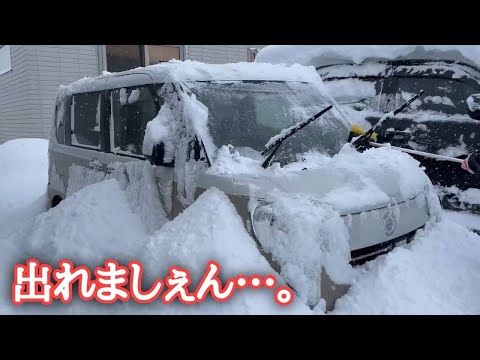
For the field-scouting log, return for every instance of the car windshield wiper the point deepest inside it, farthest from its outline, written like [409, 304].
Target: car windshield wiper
[277, 140]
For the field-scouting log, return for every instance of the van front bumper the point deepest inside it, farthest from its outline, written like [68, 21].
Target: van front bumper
[374, 229]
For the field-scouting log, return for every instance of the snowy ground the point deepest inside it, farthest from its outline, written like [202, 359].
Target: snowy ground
[438, 273]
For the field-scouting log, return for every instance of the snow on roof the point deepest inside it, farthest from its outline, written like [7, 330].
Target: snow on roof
[319, 55]
[176, 70]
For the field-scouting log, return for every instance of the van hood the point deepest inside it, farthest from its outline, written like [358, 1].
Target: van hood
[350, 182]
[347, 192]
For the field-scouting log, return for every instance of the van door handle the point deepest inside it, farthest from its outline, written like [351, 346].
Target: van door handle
[95, 164]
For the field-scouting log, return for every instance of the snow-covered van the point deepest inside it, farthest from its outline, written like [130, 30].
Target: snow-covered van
[269, 136]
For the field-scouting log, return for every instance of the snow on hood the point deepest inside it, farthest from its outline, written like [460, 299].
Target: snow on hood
[349, 181]
[319, 55]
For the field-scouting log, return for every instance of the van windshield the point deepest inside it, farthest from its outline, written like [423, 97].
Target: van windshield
[246, 114]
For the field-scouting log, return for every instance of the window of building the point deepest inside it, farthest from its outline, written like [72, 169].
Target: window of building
[126, 57]
[5, 59]
[86, 116]
[162, 53]
[132, 109]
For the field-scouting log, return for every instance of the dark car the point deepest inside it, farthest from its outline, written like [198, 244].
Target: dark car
[439, 122]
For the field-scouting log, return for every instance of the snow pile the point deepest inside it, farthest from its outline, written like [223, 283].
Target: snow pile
[22, 168]
[211, 229]
[464, 218]
[88, 227]
[96, 223]
[471, 196]
[229, 161]
[472, 105]
[319, 55]
[137, 179]
[438, 273]
[304, 237]
[454, 151]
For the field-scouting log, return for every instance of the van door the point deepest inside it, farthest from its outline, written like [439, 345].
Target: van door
[131, 108]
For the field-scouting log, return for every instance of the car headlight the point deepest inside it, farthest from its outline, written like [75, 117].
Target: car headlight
[262, 219]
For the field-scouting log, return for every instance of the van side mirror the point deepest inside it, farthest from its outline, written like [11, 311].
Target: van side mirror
[473, 103]
[157, 156]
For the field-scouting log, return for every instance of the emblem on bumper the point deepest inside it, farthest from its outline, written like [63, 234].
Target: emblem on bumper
[389, 223]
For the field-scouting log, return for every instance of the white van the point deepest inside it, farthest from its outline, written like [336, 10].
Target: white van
[187, 119]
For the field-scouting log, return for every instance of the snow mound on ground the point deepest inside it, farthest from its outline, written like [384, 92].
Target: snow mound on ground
[22, 172]
[303, 237]
[91, 225]
[438, 273]
[211, 229]
[137, 179]
[469, 220]
[96, 223]
[319, 55]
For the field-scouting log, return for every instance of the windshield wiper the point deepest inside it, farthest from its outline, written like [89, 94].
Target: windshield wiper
[277, 140]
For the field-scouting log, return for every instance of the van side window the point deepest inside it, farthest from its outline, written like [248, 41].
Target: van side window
[132, 109]
[60, 121]
[86, 120]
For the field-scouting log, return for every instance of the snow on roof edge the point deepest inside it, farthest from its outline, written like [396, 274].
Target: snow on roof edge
[188, 70]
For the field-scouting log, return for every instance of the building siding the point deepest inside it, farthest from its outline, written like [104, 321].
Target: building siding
[28, 91]
[15, 110]
[55, 65]
[219, 54]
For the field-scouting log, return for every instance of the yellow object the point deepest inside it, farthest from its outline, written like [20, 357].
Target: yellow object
[358, 130]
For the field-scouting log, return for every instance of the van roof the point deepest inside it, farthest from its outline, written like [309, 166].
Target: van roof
[176, 70]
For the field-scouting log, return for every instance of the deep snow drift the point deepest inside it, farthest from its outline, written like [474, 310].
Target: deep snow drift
[435, 274]
[438, 273]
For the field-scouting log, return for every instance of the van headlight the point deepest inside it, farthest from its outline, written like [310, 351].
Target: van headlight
[262, 219]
